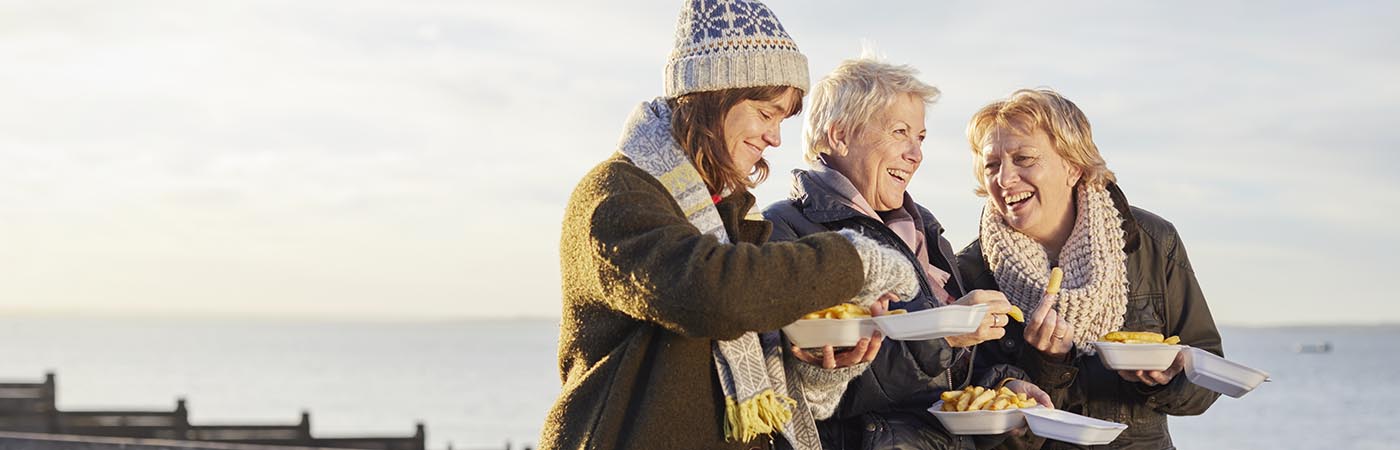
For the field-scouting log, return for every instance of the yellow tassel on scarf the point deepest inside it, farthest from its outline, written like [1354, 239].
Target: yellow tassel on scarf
[762, 414]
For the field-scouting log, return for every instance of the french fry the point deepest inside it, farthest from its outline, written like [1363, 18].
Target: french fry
[1016, 314]
[977, 398]
[982, 399]
[965, 401]
[1139, 337]
[1053, 287]
[841, 311]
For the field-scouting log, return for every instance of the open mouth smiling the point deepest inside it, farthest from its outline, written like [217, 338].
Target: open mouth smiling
[1015, 199]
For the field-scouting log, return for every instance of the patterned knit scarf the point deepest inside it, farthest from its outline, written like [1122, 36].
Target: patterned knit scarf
[1094, 292]
[758, 400]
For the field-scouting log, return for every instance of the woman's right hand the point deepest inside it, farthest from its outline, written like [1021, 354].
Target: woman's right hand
[1048, 332]
[993, 324]
[864, 351]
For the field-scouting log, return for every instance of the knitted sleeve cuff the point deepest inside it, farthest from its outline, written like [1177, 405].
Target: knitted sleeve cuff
[886, 270]
[823, 388]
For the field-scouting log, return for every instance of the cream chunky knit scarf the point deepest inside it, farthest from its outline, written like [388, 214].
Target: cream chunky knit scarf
[1094, 293]
[758, 397]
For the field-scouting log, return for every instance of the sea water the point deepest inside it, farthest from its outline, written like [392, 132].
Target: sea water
[483, 383]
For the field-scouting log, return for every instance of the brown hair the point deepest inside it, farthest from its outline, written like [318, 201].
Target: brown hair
[1028, 109]
[697, 123]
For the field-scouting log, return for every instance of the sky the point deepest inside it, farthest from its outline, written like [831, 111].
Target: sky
[389, 160]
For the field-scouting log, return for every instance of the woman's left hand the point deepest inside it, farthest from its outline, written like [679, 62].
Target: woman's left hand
[1032, 391]
[1155, 377]
[1048, 332]
[864, 351]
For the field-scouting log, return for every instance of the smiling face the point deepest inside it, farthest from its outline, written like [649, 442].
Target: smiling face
[1029, 182]
[882, 156]
[751, 126]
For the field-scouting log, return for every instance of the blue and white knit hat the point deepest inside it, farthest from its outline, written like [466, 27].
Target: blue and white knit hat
[726, 44]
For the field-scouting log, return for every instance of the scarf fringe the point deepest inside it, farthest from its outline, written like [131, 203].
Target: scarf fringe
[761, 414]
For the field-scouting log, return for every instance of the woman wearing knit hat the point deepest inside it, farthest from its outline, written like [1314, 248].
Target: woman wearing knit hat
[1051, 201]
[667, 288]
[864, 143]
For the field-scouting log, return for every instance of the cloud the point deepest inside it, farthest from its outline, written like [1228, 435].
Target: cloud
[274, 158]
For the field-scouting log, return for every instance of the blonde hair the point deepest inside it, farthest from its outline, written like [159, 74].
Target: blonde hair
[852, 94]
[1028, 109]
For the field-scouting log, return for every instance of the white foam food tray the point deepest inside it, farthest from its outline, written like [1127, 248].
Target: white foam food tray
[941, 322]
[1221, 375]
[980, 422]
[812, 333]
[1120, 356]
[1070, 427]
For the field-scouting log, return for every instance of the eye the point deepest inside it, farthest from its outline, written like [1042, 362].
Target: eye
[922, 136]
[765, 115]
[1023, 160]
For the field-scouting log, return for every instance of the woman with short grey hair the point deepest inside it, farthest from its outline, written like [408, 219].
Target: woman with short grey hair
[864, 136]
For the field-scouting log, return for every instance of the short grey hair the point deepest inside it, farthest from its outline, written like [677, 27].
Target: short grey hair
[851, 96]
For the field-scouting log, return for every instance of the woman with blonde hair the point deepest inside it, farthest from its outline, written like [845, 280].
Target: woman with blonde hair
[1053, 202]
[666, 285]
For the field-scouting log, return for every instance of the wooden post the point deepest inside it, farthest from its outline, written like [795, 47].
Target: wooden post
[305, 427]
[181, 427]
[420, 437]
[50, 394]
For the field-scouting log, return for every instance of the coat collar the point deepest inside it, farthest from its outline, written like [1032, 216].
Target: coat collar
[1130, 225]
[823, 204]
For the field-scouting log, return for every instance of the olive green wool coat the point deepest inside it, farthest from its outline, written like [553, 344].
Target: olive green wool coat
[645, 297]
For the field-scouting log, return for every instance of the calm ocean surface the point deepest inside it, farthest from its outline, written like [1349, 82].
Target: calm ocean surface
[483, 383]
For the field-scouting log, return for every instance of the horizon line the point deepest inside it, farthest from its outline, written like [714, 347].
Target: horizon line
[412, 319]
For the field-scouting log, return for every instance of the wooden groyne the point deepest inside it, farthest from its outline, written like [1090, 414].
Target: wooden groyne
[31, 408]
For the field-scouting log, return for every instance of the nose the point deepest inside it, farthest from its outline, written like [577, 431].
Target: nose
[774, 135]
[1007, 176]
[915, 153]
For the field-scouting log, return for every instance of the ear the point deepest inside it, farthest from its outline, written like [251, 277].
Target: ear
[836, 139]
[1075, 173]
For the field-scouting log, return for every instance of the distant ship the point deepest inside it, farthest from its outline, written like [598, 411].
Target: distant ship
[1323, 347]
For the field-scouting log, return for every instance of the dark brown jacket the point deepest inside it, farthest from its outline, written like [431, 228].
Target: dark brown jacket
[646, 296]
[1163, 296]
